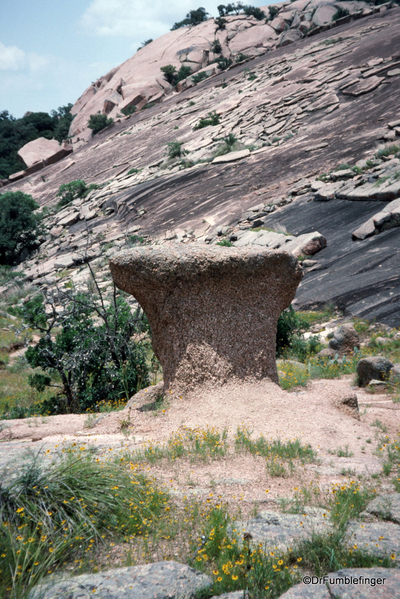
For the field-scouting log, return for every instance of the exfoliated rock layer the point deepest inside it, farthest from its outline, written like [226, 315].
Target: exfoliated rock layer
[212, 310]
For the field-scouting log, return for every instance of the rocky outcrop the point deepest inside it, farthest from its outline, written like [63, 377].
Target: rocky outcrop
[163, 580]
[345, 340]
[139, 82]
[376, 368]
[202, 303]
[42, 152]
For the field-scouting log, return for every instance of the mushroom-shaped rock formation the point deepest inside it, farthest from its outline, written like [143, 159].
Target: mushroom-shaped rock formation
[213, 311]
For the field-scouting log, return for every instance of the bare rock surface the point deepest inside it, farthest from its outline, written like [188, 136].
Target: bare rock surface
[200, 307]
[386, 507]
[164, 580]
[345, 339]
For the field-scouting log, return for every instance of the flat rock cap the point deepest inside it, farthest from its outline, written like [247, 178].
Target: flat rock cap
[160, 263]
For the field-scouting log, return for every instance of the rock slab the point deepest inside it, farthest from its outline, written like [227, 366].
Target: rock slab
[213, 310]
[162, 580]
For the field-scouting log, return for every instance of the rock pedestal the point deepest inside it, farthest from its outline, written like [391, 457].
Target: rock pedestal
[212, 310]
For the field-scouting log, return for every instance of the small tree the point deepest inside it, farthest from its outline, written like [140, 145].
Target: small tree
[19, 226]
[252, 11]
[73, 190]
[193, 17]
[88, 345]
[98, 122]
[173, 76]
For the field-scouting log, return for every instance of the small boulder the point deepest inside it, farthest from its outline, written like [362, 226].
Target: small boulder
[373, 367]
[345, 339]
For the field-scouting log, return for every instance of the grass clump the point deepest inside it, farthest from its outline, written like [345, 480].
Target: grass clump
[391, 149]
[229, 144]
[192, 443]
[175, 150]
[271, 449]
[68, 192]
[225, 243]
[58, 515]
[211, 120]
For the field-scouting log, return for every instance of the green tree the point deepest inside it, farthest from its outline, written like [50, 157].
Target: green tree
[19, 226]
[98, 122]
[173, 76]
[89, 345]
[193, 17]
[68, 192]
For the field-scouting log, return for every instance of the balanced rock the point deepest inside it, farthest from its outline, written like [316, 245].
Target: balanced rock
[213, 311]
[373, 368]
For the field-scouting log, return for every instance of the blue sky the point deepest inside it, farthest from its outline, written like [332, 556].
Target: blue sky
[51, 50]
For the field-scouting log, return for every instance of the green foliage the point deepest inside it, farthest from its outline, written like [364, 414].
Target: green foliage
[288, 450]
[240, 57]
[15, 133]
[193, 17]
[93, 360]
[98, 122]
[289, 325]
[68, 192]
[340, 13]
[173, 76]
[388, 151]
[211, 121]
[145, 43]
[128, 110]
[223, 63]
[227, 9]
[198, 77]
[174, 149]
[229, 144]
[58, 514]
[216, 47]
[134, 171]
[220, 23]
[225, 243]
[19, 226]
[273, 11]
[252, 11]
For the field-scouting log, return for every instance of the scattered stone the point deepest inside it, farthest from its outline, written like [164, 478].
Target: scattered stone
[323, 144]
[164, 580]
[363, 87]
[374, 367]
[344, 340]
[208, 307]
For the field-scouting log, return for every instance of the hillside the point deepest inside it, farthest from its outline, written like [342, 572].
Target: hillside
[294, 114]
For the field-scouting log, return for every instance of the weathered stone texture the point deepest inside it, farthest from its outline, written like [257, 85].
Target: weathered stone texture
[212, 310]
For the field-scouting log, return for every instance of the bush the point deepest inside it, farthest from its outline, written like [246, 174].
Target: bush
[73, 190]
[223, 63]
[216, 47]
[252, 11]
[273, 11]
[240, 57]
[19, 226]
[220, 23]
[88, 345]
[172, 76]
[145, 43]
[212, 120]
[289, 338]
[174, 149]
[128, 110]
[340, 13]
[193, 17]
[198, 77]
[98, 122]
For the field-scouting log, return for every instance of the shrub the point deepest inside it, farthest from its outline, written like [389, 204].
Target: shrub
[212, 120]
[223, 63]
[240, 57]
[145, 43]
[172, 76]
[19, 226]
[128, 110]
[252, 11]
[273, 11]
[340, 13]
[73, 190]
[216, 47]
[221, 23]
[229, 143]
[89, 345]
[174, 149]
[98, 122]
[193, 17]
[225, 243]
[198, 77]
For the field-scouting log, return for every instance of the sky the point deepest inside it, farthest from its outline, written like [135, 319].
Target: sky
[51, 50]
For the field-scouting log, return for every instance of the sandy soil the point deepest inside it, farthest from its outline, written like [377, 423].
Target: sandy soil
[309, 414]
